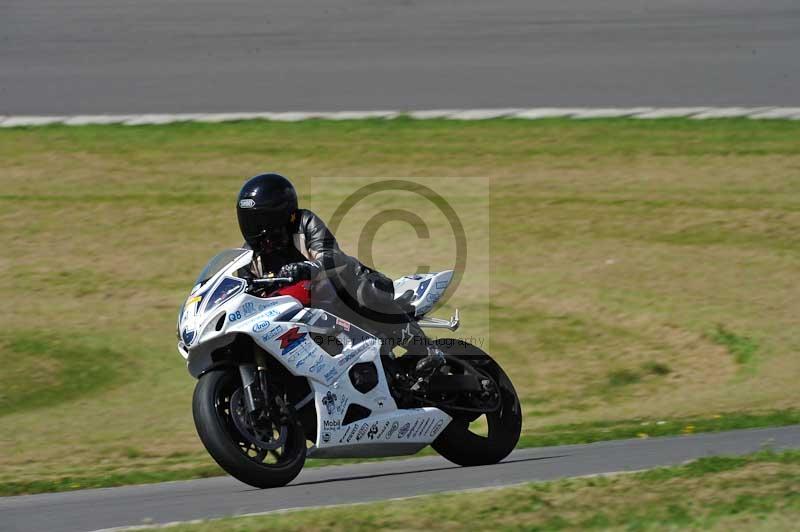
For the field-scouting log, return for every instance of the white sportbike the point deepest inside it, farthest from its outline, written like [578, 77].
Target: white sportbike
[278, 381]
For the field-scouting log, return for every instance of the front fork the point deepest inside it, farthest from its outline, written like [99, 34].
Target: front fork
[254, 393]
[254, 383]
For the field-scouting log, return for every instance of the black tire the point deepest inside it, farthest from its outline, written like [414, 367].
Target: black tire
[228, 447]
[463, 447]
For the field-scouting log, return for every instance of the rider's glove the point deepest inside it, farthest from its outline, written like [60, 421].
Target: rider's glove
[299, 271]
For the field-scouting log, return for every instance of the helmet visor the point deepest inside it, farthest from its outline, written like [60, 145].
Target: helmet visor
[256, 222]
[263, 226]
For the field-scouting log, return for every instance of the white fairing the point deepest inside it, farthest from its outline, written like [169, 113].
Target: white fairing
[280, 326]
[428, 289]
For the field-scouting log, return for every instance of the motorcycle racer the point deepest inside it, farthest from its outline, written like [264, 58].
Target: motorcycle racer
[292, 242]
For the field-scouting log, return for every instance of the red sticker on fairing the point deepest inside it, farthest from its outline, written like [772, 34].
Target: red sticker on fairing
[291, 339]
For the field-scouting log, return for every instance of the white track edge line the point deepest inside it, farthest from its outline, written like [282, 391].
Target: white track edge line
[534, 113]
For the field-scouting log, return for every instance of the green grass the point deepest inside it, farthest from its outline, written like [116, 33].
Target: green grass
[595, 431]
[623, 377]
[634, 271]
[41, 369]
[107, 480]
[656, 368]
[742, 348]
[720, 493]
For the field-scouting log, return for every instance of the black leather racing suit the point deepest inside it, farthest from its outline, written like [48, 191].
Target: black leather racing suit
[344, 285]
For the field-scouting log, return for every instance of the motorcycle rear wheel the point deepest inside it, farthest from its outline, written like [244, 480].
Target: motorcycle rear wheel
[212, 411]
[457, 443]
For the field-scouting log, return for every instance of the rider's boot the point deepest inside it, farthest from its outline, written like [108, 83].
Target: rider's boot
[433, 361]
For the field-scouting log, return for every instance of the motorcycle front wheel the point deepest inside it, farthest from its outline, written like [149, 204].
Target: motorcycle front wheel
[258, 456]
[459, 443]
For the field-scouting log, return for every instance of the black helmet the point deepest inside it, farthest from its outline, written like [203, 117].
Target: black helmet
[266, 205]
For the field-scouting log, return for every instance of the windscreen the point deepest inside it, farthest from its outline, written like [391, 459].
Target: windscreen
[221, 260]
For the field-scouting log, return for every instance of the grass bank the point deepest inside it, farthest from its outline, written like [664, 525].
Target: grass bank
[632, 270]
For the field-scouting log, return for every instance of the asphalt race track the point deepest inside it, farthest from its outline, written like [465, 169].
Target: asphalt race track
[217, 497]
[151, 56]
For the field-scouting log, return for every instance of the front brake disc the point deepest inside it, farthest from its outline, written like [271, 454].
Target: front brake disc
[261, 437]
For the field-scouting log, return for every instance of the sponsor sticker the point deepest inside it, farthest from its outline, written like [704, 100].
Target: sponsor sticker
[343, 324]
[433, 297]
[413, 427]
[403, 430]
[303, 360]
[373, 430]
[392, 430]
[436, 427]
[383, 430]
[346, 433]
[291, 339]
[355, 352]
[343, 402]
[332, 425]
[188, 336]
[272, 333]
[248, 308]
[347, 358]
[272, 313]
[422, 427]
[318, 366]
[329, 402]
[263, 306]
[422, 286]
[362, 431]
[247, 203]
[428, 425]
[326, 437]
[331, 375]
[261, 326]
